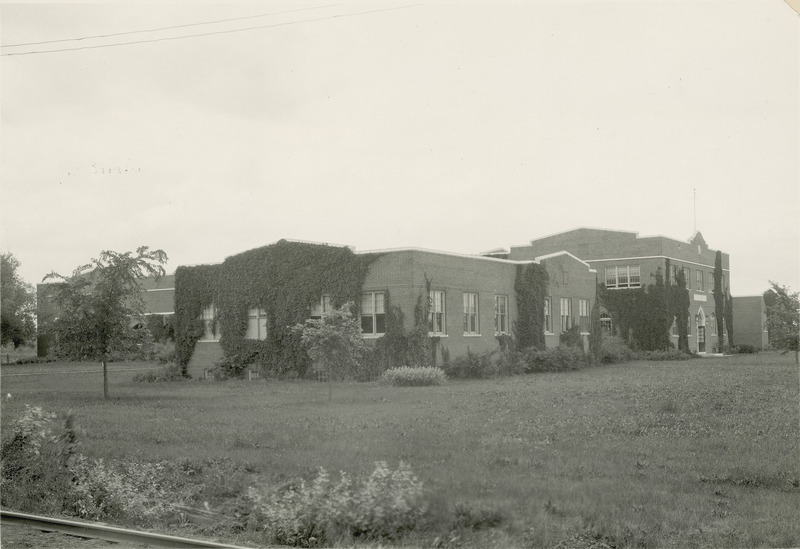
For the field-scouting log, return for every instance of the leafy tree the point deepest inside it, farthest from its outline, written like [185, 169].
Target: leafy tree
[17, 304]
[679, 303]
[719, 300]
[783, 317]
[729, 316]
[335, 343]
[98, 303]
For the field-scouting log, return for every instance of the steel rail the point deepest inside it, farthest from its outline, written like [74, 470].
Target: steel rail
[104, 532]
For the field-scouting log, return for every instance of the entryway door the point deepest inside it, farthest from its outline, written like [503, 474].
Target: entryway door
[701, 339]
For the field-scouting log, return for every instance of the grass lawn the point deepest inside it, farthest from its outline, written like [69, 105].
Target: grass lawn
[702, 453]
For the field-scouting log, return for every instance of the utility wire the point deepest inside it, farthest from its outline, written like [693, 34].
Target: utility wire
[161, 28]
[297, 22]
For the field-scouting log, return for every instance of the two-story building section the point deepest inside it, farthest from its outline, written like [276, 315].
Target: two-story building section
[624, 259]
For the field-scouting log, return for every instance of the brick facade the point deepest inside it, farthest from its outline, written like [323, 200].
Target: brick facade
[610, 251]
[750, 321]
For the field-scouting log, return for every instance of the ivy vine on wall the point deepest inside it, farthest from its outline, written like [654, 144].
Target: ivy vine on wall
[285, 279]
[531, 286]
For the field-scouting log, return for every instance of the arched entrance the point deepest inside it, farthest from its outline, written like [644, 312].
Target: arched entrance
[700, 320]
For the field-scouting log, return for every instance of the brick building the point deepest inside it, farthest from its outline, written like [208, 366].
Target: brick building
[750, 321]
[472, 300]
[624, 259]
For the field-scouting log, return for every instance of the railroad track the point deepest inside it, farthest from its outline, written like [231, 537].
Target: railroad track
[104, 532]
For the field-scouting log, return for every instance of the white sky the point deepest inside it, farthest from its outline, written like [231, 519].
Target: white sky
[444, 126]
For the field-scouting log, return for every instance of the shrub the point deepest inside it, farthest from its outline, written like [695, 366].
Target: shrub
[614, 349]
[163, 353]
[670, 354]
[413, 377]
[557, 359]
[510, 363]
[472, 366]
[571, 338]
[744, 349]
[170, 372]
[386, 505]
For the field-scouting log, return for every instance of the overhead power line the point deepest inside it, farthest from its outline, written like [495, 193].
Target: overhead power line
[229, 31]
[110, 35]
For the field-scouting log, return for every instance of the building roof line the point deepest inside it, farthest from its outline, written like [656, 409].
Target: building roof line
[563, 252]
[453, 254]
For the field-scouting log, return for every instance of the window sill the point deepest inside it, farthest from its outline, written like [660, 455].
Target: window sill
[472, 335]
[208, 340]
[372, 336]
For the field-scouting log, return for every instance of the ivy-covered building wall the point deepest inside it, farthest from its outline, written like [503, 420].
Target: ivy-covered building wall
[626, 261]
[454, 303]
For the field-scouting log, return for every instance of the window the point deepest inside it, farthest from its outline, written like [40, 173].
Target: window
[564, 275]
[501, 314]
[723, 283]
[373, 316]
[674, 328]
[689, 325]
[687, 278]
[712, 324]
[673, 275]
[700, 282]
[211, 330]
[605, 323]
[321, 308]
[566, 314]
[624, 276]
[548, 315]
[256, 324]
[471, 314]
[436, 318]
[711, 284]
[583, 315]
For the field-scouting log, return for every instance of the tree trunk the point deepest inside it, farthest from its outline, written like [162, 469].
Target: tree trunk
[105, 380]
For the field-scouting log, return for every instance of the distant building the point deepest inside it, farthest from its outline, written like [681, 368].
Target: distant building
[159, 299]
[626, 260]
[750, 321]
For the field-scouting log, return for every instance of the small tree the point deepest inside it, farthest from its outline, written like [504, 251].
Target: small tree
[17, 304]
[335, 343]
[783, 318]
[98, 303]
[729, 316]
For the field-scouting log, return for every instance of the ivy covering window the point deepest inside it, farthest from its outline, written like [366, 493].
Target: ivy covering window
[566, 314]
[673, 275]
[548, 315]
[623, 276]
[583, 315]
[321, 308]
[373, 316]
[436, 316]
[501, 314]
[700, 281]
[686, 277]
[211, 331]
[471, 326]
[674, 328]
[256, 324]
[605, 322]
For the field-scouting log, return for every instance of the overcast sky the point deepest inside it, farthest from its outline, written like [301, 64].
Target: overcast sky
[444, 126]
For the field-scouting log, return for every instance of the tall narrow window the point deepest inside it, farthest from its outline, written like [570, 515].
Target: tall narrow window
[436, 316]
[711, 282]
[471, 326]
[712, 324]
[611, 277]
[373, 317]
[321, 308]
[622, 277]
[256, 324]
[689, 325]
[566, 314]
[583, 313]
[686, 277]
[501, 314]
[700, 281]
[673, 275]
[635, 276]
[605, 323]
[548, 315]
[211, 331]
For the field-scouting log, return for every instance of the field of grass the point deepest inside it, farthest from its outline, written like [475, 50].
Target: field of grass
[697, 453]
